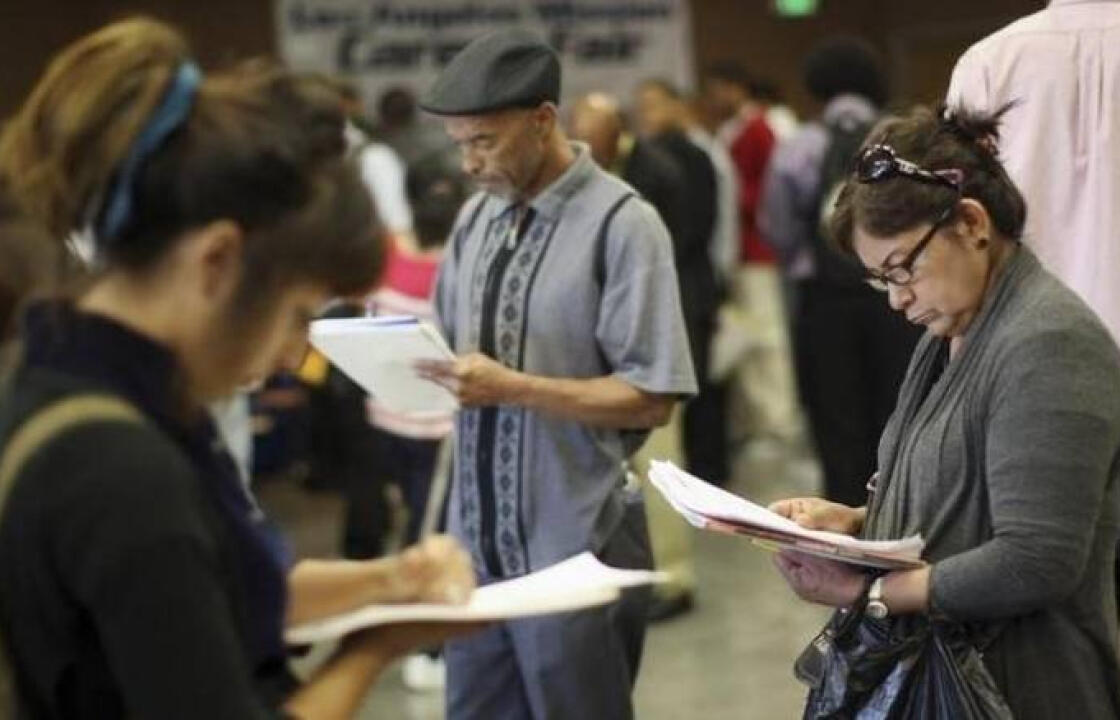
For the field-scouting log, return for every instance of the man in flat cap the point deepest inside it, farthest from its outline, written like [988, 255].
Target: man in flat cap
[558, 292]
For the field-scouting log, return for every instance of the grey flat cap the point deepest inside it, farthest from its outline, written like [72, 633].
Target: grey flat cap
[502, 69]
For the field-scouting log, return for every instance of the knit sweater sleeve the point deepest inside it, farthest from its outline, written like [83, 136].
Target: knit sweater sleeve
[133, 549]
[1051, 440]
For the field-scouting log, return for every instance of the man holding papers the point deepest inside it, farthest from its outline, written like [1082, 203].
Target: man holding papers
[559, 296]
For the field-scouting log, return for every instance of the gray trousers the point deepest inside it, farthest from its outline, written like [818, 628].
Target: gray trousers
[559, 667]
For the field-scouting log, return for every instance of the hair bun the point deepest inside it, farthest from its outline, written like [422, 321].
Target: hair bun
[980, 129]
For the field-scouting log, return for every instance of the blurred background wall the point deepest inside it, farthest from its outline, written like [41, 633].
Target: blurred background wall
[920, 39]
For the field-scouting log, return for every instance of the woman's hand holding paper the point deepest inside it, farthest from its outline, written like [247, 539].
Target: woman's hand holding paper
[435, 570]
[818, 580]
[815, 513]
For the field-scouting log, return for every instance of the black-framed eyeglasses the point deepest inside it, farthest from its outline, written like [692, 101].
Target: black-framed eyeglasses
[902, 273]
[877, 163]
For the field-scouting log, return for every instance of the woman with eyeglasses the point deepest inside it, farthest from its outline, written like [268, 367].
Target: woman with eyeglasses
[137, 577]
[1003, 451]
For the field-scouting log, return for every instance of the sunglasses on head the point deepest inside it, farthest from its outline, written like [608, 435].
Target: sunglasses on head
[877, 163]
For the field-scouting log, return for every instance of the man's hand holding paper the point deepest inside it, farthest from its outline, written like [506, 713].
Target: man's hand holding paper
[477, 380]
[381, 355]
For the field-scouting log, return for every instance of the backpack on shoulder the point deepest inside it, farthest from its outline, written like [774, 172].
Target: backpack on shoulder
[845, 137]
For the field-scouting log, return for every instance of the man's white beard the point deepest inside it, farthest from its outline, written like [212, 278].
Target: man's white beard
[503, 190]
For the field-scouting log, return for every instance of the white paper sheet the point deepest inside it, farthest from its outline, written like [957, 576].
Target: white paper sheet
[574, 584]
[380, 353]
[708, 507]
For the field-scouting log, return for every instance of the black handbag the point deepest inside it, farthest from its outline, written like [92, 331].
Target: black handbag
[860, 668]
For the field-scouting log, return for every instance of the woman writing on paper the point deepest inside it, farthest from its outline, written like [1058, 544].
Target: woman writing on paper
[1003, 451]
[137, 579]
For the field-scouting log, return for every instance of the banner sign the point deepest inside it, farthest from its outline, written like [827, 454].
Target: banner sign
[609, 45]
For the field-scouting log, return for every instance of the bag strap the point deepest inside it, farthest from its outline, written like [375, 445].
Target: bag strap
[54, 420]
[34, 434]
[600, 269]
[468, 226]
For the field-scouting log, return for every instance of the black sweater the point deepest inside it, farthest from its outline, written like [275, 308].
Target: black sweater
[122, 583]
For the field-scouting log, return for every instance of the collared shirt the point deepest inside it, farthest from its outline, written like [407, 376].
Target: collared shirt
[570, 293]
[791, 195]
[1061, 142]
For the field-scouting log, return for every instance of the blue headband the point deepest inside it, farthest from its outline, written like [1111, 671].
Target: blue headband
[117, 208]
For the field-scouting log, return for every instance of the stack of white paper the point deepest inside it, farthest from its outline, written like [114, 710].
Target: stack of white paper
[574, 584]
[380, 353]
[709, 507]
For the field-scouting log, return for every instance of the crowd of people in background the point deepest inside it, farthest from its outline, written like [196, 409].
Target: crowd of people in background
[764, 241]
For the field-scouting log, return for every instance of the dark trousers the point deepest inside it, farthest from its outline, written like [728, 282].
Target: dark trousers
[558, 667]
[368, 517]
[704, 420]
[410, 464]
[852, 352]
[391, 459]
[345, 455]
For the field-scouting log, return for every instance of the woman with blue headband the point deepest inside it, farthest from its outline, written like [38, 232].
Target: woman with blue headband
[137, 578]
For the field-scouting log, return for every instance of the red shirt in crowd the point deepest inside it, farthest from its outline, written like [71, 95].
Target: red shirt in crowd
[751, 141]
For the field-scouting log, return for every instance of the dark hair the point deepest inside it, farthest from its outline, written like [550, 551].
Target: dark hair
[348, 91]
[260, 146]
[766, 90]
[436, 191]
[27, 258]
[844, 65]
[729, 71]
[936, 140]
[396, 106]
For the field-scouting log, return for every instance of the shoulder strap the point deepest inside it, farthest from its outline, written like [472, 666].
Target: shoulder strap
[466, 228]
[33, 435]
[601, 257]
[52, 421]
[601, 240]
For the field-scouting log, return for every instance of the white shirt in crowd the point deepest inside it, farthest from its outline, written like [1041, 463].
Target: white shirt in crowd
[783, 121]
[1061, 142]
[725, 234]
[384, 174]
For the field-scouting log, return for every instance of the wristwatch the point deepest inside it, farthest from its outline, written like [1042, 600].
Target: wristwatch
[876, 608]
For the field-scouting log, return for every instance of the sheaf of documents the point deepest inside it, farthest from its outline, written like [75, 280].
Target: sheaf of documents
[711, 508]
[379, 354]
[576, 583]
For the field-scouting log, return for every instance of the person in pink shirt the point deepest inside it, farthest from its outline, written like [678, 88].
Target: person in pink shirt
[1060, 141]
[409, 442]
